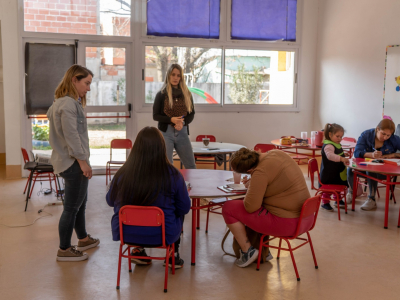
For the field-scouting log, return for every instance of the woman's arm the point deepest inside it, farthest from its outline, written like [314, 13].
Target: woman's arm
[363, 150]
[158, 109]
[189, 117]
[256, 191]
[182, 200]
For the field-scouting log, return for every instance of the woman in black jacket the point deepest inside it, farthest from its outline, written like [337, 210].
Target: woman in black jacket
[174, 110]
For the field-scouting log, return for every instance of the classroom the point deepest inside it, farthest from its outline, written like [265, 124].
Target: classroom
[269, 72]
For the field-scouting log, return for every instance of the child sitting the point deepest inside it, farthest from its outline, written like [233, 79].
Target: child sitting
[333, 164]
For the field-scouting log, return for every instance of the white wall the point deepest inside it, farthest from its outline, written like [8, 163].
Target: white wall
[2, 129]
[352, 40]
[261, 127]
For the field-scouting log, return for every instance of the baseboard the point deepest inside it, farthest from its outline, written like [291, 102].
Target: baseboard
[13, 171]
[2, 158]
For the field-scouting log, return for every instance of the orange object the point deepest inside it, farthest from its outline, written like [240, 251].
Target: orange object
[390, 162]
[285, 141]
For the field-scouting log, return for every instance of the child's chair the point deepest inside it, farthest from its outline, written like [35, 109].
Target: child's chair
[132, 215]
[116, 144]
[339, 191]
[202, 159]
[309, 210]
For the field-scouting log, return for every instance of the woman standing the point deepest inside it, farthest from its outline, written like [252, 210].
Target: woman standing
[70, 158]
[174, 110]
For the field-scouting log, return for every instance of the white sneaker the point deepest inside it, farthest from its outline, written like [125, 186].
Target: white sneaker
[369, 205]
[349, 198]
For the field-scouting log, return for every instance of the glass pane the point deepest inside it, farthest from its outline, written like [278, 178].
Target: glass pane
[40, 137]
[101, 131]
[109, 82]
[259, 77]
[97, 17]
[202, 71]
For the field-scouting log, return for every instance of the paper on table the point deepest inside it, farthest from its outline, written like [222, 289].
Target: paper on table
[370, 163]
[237, 186]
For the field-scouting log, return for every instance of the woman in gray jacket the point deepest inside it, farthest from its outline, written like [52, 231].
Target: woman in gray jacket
[70, 158]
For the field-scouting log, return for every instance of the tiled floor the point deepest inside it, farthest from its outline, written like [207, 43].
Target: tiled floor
[357, 258]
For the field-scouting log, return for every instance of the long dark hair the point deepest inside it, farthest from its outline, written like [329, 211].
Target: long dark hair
[146, 173]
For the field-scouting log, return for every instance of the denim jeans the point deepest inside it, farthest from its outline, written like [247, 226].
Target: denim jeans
[372, 184]
[180, 141]
[73, 216]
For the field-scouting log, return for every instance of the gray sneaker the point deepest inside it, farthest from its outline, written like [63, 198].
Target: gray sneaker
[90, 243]
[349, 198]
[72, 254]
[369, 205]
[247, 258]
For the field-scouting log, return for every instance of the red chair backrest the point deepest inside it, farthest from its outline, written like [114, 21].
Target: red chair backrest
[264, 147]
[121, 144]
[200, 138]
[25, 155]
[350, 139]
[133, 215]
[313, 167]
[309, 210]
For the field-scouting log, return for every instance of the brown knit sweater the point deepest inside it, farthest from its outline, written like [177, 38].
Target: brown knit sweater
[277, 184]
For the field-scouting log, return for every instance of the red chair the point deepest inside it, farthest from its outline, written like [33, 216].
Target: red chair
[264, 147]
[116, 144]
[349, 139]
[200, 158]
[310, 209]
[132, 215]
[332, 189]
[38, 175]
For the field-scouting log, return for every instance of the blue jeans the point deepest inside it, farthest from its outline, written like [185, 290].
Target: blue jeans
[73, 216]
[180, 141]
[372, 184]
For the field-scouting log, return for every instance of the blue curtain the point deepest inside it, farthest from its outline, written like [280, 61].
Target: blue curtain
[183, 18]
[268, 20]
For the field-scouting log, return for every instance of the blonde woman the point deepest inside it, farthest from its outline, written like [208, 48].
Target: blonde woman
[174, 110]
[70, 158]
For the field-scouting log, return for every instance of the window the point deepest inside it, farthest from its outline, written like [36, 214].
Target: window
[96, 17]
[200, 71]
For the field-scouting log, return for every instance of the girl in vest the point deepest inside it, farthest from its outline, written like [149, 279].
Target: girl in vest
[333, 164]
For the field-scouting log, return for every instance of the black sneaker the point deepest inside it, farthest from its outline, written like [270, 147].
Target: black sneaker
[327, 207]
[247, 258]
[178, 262]
[140, 252]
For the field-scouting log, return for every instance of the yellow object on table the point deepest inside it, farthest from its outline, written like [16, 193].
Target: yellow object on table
[285, 141]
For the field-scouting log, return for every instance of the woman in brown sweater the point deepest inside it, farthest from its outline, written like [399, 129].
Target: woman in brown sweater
[275, 196]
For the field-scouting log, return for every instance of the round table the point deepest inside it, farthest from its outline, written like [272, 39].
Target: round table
[386, 169]
[204, 184]
[224, 149]
[346, 145]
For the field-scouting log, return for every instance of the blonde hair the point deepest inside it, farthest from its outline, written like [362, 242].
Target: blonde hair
[167, 88]
[66, 87]
[244, 159]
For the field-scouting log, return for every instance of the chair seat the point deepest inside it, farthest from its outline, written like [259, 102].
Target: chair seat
[32, 165]
[116, 162]
[333, 187]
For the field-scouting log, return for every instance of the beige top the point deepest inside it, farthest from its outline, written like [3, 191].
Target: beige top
[68, 133]
[277, 184]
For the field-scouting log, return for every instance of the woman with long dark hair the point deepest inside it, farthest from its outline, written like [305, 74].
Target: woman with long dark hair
[70, 158]
[174, 110]
[148, 179]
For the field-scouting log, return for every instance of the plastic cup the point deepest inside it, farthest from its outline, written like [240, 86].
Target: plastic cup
[304, 135]
[237, 177]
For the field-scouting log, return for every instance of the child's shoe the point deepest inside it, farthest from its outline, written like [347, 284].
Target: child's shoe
[327, 207]
[140, 261]
[178, 262]
[341, 204]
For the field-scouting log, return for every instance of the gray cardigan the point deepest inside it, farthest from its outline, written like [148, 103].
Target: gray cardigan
[68, 133]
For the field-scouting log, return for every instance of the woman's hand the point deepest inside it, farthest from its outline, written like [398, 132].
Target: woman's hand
[246, 181]
[177, 120]
[392, 155]
[345, 160]
[86, 169]
[376, 154]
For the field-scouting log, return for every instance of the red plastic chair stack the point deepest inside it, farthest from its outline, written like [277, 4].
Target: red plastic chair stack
[200, 158]
[116, 144]
[38, 175]
[332, 189]
[309, 210]
[132, 215]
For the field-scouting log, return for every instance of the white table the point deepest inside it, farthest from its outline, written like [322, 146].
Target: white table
[226, 149]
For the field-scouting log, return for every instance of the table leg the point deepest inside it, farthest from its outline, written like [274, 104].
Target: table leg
[353, 204]
[194, 214]
[225, 155]
[387, 202]
[198, 215]
[29, 189]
